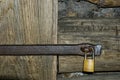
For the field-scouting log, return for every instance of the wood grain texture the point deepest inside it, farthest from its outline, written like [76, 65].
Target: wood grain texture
[28, 22]
[107, 3]
[97, 31]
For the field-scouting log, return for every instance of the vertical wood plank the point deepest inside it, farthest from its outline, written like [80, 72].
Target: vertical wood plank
[28, 22]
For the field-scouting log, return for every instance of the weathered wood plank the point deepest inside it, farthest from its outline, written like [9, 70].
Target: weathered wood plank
[28, 22]
[106, 3]
[98, 31]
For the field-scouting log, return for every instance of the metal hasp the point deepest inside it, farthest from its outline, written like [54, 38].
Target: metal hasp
[49, 49]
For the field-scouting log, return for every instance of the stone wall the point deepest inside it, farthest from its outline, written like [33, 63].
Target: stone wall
[83, 9]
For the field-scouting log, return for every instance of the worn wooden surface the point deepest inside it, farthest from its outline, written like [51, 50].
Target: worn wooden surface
[28, 22]
[107, 3]
[98, 31]
[96, 76]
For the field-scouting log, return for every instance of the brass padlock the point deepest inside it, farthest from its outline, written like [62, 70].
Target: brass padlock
[88, 65]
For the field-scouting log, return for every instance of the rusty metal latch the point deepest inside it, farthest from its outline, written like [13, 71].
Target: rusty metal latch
[49, 49]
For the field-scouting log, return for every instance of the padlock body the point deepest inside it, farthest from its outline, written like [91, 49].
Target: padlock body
[88, 65]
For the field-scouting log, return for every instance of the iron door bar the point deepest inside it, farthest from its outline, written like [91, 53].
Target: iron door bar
[48, 49]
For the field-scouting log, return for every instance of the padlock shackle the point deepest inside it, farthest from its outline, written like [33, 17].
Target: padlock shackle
[92, 50]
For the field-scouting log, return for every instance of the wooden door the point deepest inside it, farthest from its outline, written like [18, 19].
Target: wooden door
[28, 22]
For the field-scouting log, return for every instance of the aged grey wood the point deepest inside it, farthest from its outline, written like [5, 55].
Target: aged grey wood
[98, 31]
[28, 22]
